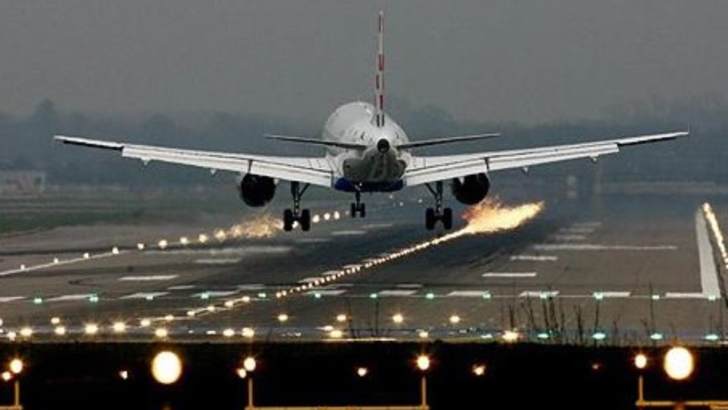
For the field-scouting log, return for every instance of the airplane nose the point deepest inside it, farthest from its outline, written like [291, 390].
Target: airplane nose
[383, 145]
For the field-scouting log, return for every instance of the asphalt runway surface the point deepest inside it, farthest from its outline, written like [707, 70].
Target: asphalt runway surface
[612, 270]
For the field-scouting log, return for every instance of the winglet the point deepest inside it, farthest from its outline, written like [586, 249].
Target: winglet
[379, 76]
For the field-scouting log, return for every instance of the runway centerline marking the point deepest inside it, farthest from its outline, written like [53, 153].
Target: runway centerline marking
[150, 278]
[509, 275]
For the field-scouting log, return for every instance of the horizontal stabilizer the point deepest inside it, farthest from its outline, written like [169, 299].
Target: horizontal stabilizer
[314, 141]
[446, 140]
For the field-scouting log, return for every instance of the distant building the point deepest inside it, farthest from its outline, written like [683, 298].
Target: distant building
[22, 183]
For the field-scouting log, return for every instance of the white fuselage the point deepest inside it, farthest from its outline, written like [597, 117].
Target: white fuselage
[377, 168]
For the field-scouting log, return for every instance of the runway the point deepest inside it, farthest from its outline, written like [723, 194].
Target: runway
[611, 270]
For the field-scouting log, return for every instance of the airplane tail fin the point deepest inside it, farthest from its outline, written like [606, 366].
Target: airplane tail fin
[379, 76]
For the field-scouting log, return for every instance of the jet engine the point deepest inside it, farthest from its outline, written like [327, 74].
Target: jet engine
[256, 190]
[471, 189]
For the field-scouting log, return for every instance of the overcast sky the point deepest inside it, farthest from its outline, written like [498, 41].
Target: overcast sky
[522, 60]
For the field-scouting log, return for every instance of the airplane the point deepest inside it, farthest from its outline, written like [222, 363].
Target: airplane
[367, 151]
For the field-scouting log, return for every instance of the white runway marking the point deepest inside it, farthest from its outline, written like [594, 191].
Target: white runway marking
[6, 299]
[535, 258]
[686, 295]
[144, 295]
[583, 230]
[70, 298]
[708, 269]
[150, 278]
[509, 275]
[216, 293]
[595, 247]
[614, 294]
[396, 292]
[467, 293]
[539, 293]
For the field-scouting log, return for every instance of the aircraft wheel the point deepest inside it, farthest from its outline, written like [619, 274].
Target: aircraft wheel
[352, 211]
[287, 220]
[447, 218]
[305, 220]
[362, 211]
[430, 219]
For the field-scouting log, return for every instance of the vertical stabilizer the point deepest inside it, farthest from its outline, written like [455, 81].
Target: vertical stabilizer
[379, 77]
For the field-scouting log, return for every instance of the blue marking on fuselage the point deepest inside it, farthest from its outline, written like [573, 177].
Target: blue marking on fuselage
[343, 184]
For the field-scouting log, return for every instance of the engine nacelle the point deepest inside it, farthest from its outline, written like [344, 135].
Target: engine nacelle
[471, 189]
[256, 190]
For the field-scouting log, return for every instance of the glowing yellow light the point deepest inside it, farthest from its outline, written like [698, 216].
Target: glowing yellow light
[678, 363]
[169, 318]
[510, 336]
[184, 241]
[242, 373]
[119, 327]
[211, 308]
[26, 332]
[59, 330]
[54, 320]
[86, 255]
[115, 250]
[341, 318]
[398, 318]
[454, 319]
[91, 329]
[145, 323]
[249, 364]
[166, 367]
[336, 334]
[16, 366]
[362, 371]
[229, 304]
[246, 299]
[7, 376]
[124, 374]
[163, 244]
[423, 334]
[283, 317]
[202, 238]
[640, 361]
[479, 369]
[161, 333]
[228, 333]
[248, 332]
[140, 246]
[423, 363]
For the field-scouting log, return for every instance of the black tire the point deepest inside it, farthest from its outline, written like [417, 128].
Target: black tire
[362, 210]
[352, 211]
[447, 218]
[430, 219]
[287, 220]
[305, 220]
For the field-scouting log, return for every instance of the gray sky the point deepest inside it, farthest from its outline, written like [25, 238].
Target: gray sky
[523, 60]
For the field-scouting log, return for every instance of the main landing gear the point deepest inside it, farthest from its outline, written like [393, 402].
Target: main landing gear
[302, 216]
[358, 207]
[438, 213]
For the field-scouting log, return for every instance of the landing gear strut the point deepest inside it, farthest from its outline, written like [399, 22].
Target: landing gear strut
[358, 207]
[438, 213]
[302, 216]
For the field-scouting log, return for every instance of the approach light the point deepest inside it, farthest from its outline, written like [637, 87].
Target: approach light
[678, 363]
[423, 362]
[166, 367]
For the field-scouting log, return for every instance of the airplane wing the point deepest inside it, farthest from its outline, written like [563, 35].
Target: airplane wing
[315, 171]
[427, 169]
